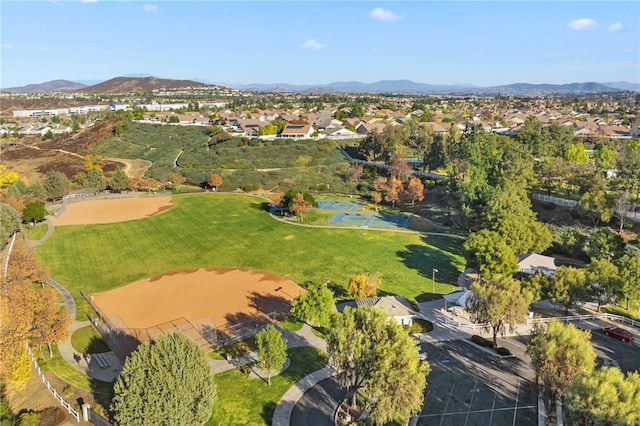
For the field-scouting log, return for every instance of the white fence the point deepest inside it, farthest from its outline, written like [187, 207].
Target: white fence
[589, 317]
[531, 321]
[554, 200]
[55, 394]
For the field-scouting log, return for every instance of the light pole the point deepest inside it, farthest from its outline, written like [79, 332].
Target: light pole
[433, 281]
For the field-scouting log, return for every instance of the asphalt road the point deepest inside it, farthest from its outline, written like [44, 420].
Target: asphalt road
[318, 405]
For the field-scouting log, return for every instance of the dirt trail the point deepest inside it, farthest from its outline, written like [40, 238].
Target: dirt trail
[133, 168]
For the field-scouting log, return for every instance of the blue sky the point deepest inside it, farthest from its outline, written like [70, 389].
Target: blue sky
[319, 42]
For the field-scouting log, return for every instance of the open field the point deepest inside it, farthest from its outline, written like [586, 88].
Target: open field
[226, 230]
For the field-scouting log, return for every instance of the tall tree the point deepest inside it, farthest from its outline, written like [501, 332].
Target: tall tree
[569, 285]
[377, 357]
[395, 391]
[560, 355]
[596, 202]
[605, 157]
[34, 212]
[120, 180]
[95, 180]
[509, 214]
[18, 305]
[364, 285]
[272, 350]
[630, 276]
[315, 305]
[400, 169]
[215, 180]
[415, 190]
[498, 302]
[605, 397]
[393, 191]
[9, 223]
[489, 253]
[576, 153]
[50, 324]
[299, 206]
[180, 388]
[57, 185]
[605, 284]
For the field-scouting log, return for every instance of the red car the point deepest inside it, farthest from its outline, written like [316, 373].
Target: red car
[618, 332]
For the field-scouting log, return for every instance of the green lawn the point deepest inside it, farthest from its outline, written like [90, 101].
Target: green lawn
[208, 230]
[250, 401]
[86, 340]
[35, 232]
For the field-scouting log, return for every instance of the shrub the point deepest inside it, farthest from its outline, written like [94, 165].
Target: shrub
[420, 325]
[479, 340]
[251, 187]
[503, 351]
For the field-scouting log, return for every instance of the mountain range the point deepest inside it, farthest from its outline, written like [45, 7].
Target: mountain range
[147, 83]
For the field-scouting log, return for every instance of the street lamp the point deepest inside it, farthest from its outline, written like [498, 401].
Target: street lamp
[433, 281]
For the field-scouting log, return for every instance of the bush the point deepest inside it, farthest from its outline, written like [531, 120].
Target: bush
[420, 325]
[479, 340]
[503, 351]
[251, 187]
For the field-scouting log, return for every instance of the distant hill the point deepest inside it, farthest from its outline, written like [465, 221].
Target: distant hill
[138, 84]
[547, 89]
[624, 85]
[410, 87]
[48, 87]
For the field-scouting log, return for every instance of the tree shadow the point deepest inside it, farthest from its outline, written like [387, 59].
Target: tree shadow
[426, 259]
[268, 408]
[269, 303]
[97, 345]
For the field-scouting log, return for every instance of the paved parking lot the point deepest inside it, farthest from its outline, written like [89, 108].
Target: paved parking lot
[469, 386]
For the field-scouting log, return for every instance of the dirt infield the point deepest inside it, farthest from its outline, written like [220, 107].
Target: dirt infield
[229, 296]
[111, 211]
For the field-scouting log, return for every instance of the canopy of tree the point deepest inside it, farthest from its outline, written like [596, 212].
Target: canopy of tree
[165, 381]
[378, 360]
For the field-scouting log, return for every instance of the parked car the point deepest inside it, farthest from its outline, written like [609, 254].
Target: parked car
[620, 333]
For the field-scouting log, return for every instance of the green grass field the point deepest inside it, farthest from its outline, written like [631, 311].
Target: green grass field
[243, 400]
[209, 230]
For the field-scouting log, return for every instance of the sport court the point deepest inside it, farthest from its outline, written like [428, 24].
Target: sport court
[337, 205]
[347, 215]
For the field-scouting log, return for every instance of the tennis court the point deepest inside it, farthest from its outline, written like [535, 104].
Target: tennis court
[365, 220]
[337, 205]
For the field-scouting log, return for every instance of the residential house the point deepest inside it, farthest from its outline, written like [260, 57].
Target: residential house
[371, 127]
[396, 307]
[533, 263]
[297, 131]
[340, 133]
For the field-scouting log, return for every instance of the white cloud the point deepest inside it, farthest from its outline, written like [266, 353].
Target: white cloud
[312, 44]
[383, 14]
[583, 24]
[150, 8]
[614, 28]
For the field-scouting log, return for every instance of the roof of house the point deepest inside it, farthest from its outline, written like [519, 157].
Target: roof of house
[395, 306]
[296, 129]
[532, 263]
